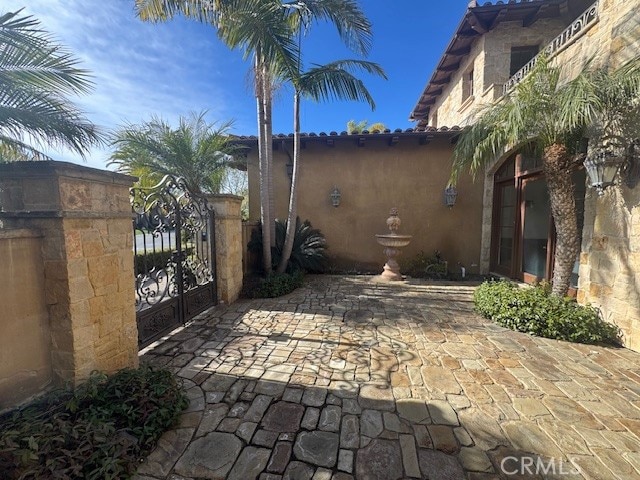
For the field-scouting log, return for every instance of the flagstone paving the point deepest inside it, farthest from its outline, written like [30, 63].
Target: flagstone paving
[349, 379]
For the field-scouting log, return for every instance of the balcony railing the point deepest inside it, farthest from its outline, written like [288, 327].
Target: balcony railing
[574, 31]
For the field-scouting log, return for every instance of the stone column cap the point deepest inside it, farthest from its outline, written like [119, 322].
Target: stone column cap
[32, 169]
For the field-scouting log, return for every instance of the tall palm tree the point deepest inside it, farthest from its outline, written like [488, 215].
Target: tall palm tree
[265, 29]
[322, 82]
[197, 151]
[36, 77]
[549, 116]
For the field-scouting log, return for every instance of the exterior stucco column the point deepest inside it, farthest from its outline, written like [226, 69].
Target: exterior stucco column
[84, 216]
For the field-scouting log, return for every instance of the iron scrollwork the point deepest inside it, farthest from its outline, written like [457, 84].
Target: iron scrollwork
[173, 243]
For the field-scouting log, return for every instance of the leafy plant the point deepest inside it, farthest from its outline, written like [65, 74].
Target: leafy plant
[309, 247]
[535, 311]
[424, 266]
[144, 263]
[97, 431]
[278, 284]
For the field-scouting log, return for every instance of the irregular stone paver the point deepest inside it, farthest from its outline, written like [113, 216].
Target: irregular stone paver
[211, 456]
[318, 448]
[380, 460]
[298, 471]
[250, 463]
[440, 466]
[283, 417]
[402, 378]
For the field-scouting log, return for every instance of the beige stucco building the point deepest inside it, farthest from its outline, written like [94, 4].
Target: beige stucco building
[375, 172]
[492, 50]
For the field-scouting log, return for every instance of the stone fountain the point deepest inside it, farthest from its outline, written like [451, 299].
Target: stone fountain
[392, 243]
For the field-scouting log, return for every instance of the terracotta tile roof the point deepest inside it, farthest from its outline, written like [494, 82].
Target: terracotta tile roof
[478, 20]
[409, 132]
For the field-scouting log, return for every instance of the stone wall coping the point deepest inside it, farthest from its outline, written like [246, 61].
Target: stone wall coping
[11, 233]
[223, 196]
[65, 214]
[47, 168]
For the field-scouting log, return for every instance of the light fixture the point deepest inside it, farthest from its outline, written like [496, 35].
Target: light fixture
[450, 195]
[335, 196]
[602, 167]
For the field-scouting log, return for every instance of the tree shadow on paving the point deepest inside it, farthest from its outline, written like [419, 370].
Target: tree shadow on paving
[243, 428]
[369, 364]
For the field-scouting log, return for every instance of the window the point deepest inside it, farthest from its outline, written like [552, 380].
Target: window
[434, 118]
[467, 85]
[520, 56]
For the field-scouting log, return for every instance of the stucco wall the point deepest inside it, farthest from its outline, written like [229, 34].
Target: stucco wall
[372, 179]
[25, 337]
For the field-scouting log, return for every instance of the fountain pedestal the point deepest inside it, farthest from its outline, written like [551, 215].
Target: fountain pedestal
[393, 243]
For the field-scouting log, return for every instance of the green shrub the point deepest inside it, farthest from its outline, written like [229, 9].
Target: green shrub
[534, 310]
[278, 284]
[309, 247]
[97, 431]
[425, 266]
[144, 263]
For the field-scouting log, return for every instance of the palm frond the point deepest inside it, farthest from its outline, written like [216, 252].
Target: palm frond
[195, 150]
[335, 80]
[353, 27]
[36, 75]
[207, 11]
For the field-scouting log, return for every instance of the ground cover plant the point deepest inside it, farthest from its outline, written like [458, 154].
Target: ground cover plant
[534, 310]
[426, 266]
[99, 430]
[277, 284]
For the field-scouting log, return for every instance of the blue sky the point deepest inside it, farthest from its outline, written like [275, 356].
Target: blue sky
[171, 69]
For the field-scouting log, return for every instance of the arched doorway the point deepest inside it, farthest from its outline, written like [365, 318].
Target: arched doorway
[522, 230]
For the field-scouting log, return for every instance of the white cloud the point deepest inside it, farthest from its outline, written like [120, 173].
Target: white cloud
[143, 69]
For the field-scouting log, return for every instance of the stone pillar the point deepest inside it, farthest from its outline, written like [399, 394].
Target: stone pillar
[229, 248]
[84, 216]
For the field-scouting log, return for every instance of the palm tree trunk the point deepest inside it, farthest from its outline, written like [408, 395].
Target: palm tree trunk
[557, 168]
[262, 154]
[268, 139]
[293, 196]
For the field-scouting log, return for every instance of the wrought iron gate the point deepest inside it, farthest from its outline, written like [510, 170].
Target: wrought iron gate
[174, 255]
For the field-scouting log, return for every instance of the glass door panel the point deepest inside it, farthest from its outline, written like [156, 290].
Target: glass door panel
[535, 230]
[506, 219]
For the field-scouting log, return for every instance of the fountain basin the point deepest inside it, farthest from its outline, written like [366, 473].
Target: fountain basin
[393, 241]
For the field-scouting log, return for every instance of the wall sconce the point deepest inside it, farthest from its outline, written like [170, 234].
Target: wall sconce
[602, 167]
[335, 196]
[450, 195]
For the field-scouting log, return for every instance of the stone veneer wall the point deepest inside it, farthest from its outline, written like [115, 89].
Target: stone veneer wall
[84, 216]
[25, 338]
[229, 245]
[610, 258]
[610, 254]
[490, 60]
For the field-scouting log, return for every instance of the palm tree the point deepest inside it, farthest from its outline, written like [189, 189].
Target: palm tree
[549, 116]
[36, 77]
[196, 151]
[322, 82]
[354, 127]
[265, 30]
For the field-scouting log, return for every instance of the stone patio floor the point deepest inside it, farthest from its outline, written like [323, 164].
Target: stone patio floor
[346, 378]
